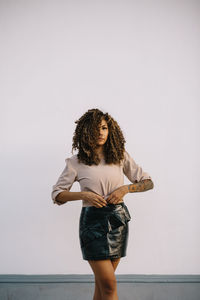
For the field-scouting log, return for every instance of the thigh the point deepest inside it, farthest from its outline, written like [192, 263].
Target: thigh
[103, 270]
[115, 263]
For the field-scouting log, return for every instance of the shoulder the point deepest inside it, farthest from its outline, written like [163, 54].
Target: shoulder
[72, 158]
[126, 156]
[72, 161]
[128, 159]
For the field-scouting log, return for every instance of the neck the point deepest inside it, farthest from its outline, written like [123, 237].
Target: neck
[99, 151]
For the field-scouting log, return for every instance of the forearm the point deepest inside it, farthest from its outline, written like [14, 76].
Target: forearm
[66, 196]
[141, 186]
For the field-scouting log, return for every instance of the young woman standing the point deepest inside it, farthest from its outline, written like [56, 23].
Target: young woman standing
[99, 167]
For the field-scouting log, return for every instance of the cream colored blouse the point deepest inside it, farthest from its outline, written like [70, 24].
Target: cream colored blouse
[102, 179]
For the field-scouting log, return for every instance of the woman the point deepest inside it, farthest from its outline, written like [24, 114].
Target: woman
[99, 167]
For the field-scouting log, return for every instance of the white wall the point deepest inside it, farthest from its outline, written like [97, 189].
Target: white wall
[137, 60]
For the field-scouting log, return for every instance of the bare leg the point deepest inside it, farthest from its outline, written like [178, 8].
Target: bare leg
[105, 281]
[97, 291]
[115, 263]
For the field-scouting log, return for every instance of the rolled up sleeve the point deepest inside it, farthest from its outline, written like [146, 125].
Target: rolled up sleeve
[132, 170]
[65, 180]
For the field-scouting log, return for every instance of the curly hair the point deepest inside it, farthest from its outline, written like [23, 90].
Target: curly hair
[86, 135]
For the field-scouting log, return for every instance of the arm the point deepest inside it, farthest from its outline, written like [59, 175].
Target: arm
[141, 181]
[141, 186]
[93, 198]
[66, 196]
[60, 192]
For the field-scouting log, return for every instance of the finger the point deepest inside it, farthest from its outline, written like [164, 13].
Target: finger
[100, 203]
[102, 200]
[99, 200]
[109, 198]
[99, 197]
[115, 200]
[112, 199]
[119, 200]
[96, 202]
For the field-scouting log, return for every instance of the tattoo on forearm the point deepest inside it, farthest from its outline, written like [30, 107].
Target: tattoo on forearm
[141, 186]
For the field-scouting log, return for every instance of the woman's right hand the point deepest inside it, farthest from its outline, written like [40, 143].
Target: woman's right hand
[95, 199]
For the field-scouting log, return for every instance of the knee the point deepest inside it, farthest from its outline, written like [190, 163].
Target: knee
[109, 286]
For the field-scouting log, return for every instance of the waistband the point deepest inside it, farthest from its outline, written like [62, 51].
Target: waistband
[109, 206]
[110, 216]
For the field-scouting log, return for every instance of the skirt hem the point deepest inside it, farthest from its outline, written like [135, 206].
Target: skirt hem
[103, 257]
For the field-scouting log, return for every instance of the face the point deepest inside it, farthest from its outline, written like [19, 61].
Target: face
[103, 133]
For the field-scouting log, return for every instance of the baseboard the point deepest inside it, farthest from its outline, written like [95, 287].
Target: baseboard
[76, 278]
[81, 286]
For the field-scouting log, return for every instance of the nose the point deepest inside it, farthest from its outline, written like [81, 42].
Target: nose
[101, 132]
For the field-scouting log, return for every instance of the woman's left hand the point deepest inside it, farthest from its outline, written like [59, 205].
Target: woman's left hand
[116, 196]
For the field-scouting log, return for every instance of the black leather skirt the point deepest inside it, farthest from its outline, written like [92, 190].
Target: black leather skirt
[103, 232]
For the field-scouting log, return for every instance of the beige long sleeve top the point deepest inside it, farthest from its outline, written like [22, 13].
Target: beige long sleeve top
[102, 179]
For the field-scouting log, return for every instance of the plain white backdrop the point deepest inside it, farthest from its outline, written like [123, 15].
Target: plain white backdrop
[137, 60]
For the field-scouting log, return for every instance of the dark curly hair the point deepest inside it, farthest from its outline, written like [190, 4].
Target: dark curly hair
[86, 135]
